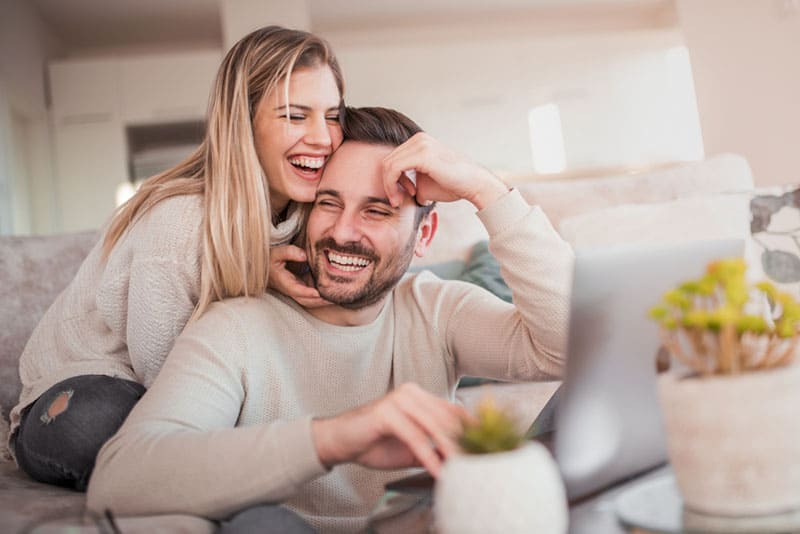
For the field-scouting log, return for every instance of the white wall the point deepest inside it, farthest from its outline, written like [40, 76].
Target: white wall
[27, 196]
[625, 97]
[746, 62]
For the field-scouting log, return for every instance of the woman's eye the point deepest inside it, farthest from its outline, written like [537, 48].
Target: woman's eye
[334, 118]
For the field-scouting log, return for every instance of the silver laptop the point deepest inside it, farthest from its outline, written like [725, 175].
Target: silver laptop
[607, 420]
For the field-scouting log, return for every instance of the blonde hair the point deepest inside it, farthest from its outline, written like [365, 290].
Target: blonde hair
[225, 168]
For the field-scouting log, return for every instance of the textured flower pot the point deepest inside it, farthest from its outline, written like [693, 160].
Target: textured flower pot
[509, 492]
[734, 441]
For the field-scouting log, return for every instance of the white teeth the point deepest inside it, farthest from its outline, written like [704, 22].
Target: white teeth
[347, 263]
[308, 161]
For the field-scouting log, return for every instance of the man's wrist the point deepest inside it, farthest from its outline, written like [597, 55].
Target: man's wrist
[324, 441]
[493, 190]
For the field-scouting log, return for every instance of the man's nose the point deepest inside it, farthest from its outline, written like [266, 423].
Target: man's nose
[318, 133]
[346, 228]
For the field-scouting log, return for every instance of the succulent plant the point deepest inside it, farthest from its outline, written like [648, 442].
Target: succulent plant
[494, 430]
[718, 324]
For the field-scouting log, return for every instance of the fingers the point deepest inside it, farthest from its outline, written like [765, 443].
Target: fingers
[408, 156]
[286, 253]
[312, 302]
[286, 282]
[426, 424]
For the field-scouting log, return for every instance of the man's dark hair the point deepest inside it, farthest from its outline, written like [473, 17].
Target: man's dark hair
[381, 126]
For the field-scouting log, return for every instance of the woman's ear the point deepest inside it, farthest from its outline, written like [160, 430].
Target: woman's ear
[426, 231]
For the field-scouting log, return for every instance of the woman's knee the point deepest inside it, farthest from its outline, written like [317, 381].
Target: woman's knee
[63, 430]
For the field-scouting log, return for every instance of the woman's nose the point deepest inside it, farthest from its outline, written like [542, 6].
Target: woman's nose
[318, 133]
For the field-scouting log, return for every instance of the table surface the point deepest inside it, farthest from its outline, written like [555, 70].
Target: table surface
[594, 514]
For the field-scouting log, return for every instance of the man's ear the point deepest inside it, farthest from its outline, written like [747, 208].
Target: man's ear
[426, 231]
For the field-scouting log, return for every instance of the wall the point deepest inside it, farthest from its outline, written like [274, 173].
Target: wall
[624, 89]
[26, 176]
[746, 62]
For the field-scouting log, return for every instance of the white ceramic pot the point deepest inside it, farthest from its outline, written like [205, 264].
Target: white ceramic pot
[506, 492]
[734, 441]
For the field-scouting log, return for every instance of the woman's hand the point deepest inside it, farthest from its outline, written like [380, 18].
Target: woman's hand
[441, 174]
[284, 281]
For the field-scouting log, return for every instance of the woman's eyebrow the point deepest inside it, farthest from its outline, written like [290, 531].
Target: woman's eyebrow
[303, 107]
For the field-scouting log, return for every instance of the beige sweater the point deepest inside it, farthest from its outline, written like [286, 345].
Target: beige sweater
[121, 317]
[226, 424]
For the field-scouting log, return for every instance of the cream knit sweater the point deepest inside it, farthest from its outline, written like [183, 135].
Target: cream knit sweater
[121, 317]
[226, 424]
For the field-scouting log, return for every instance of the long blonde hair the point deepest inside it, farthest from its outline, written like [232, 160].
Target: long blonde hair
[225, 168]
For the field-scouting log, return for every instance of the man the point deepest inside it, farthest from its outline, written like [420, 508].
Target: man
[264, 401]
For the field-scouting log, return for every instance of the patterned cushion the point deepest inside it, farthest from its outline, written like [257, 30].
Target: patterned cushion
[775, 229]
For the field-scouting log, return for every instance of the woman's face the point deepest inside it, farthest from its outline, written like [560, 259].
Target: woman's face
[292, 151]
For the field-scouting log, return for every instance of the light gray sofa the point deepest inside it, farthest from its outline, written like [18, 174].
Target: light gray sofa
[33, 270]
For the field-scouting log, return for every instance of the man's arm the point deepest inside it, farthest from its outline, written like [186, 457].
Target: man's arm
[488, 337]
[526, 340]
[178, 450]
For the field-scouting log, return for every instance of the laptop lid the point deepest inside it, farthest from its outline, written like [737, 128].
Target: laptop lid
[608, 422]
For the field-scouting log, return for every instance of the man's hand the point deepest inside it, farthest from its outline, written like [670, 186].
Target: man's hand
[284, 281]
[441, 174]
[407, 427]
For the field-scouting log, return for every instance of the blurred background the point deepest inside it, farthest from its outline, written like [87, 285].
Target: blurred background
[96, 95]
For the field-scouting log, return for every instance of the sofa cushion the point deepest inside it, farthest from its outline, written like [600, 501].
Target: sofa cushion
[33, 271]
[460, 229]
[687, 219]
[28, 506]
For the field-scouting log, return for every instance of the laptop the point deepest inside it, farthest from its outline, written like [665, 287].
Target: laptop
[607, 418]
[603, 425]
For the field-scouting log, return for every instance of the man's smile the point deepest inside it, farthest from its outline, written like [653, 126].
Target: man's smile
[345, 262]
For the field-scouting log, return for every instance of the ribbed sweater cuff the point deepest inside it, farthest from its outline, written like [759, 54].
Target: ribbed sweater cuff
[299, 454]
[504, 212]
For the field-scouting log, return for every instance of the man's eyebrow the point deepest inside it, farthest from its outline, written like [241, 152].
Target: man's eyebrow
[330, 192]
[380, 200]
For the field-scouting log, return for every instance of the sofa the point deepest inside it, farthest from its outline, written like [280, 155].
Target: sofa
[704, 199]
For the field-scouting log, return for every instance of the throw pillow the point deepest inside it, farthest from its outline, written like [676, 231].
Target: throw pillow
[775, 230]
[721, 215]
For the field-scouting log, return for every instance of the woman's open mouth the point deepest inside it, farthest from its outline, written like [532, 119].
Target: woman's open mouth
[309, 167]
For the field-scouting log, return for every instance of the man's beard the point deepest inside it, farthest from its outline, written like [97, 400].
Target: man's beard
[381, 281]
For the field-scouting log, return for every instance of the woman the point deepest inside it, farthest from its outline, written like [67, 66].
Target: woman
[194, 234]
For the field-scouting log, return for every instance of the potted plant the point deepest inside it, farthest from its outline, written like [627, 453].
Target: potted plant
[732, 409]
[502, 483]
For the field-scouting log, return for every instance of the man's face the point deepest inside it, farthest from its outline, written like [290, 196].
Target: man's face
[358, 245]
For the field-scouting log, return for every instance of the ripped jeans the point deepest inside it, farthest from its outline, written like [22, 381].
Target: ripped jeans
[61, 433]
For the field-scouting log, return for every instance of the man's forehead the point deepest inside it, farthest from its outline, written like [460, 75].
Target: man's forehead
[356, 167]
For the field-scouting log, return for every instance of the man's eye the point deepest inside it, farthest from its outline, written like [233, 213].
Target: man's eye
[378, 213]
[326, 203]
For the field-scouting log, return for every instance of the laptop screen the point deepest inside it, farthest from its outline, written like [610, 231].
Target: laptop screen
[608, 422]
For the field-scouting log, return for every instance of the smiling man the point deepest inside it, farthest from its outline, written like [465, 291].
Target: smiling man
[263, 401]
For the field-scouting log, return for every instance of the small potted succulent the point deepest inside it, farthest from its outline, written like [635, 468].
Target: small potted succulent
[731, 407]
[502, 482]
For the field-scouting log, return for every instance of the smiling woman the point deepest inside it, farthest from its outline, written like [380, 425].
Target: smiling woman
[192, 235]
